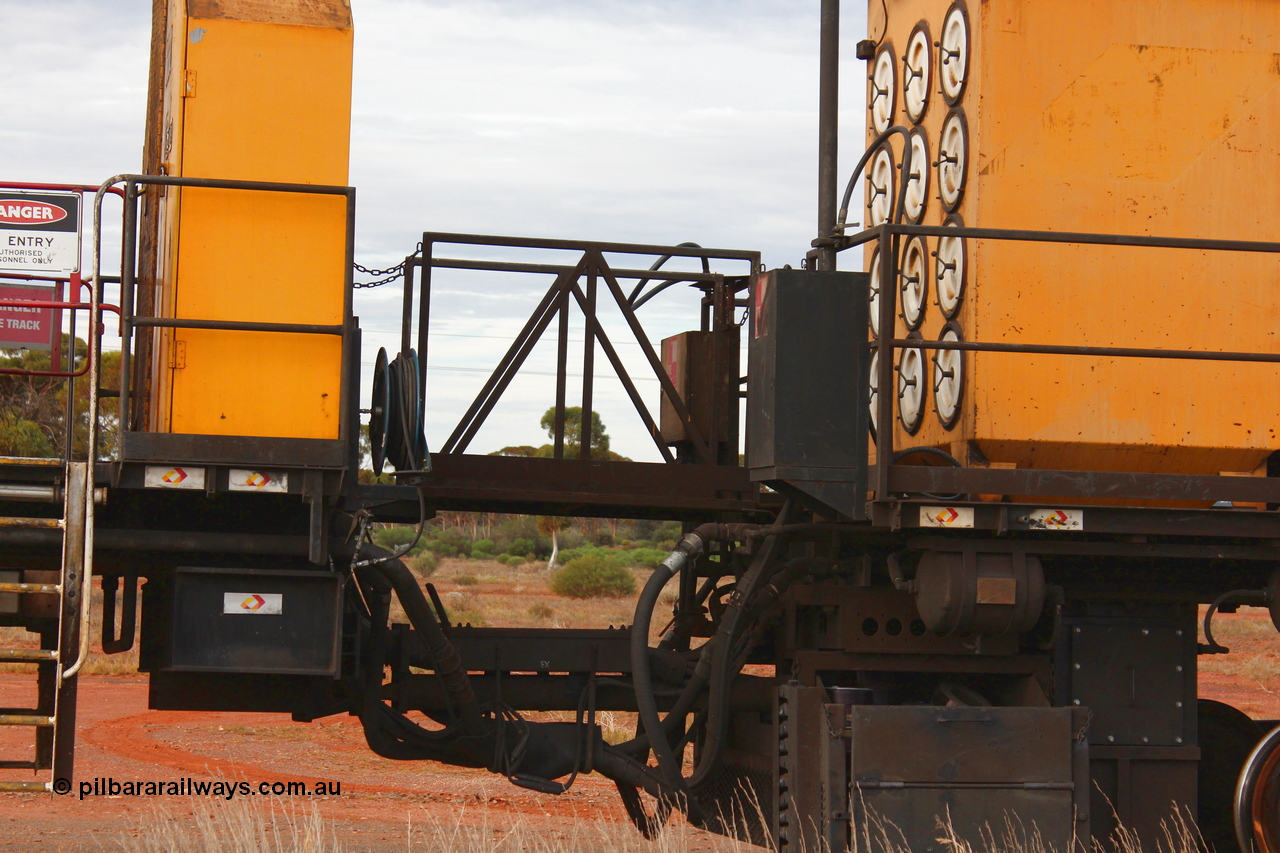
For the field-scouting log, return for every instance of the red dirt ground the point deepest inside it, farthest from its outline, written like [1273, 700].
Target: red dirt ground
[120, 739]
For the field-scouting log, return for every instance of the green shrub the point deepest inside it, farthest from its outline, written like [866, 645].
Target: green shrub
[395, 538]
[521, 548]
[541, 611]
[424, 563]
[647, 557]
[592, 576]
[466, 580]
[442, 548]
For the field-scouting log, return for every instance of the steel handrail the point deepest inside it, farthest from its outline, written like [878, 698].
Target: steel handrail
[885, 343]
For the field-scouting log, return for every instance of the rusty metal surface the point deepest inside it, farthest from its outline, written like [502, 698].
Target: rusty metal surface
[30, 523]
[30, 588]
[969, 767]
[234, 449]
[572, 487]
[307, 13]
[1083, 484]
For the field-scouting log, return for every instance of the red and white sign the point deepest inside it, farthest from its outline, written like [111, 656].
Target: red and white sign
[23, 212]
[23, 327]
[252, 603]
[39, 233]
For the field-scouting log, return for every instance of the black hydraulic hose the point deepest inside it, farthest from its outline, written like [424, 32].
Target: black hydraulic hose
[862, 164]
[635, 294]
[448, 663]
[688, 548]
[722, 669]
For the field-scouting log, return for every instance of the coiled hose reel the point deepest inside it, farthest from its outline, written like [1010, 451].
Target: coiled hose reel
[396, 435]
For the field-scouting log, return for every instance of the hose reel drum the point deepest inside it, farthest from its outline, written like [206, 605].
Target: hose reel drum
[396, 414]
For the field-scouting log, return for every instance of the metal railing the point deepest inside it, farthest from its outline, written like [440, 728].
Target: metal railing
[569, 289]
[892, 479]
[128, 281]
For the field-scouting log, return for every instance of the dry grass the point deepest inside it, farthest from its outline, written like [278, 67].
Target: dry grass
[1252, 640]
[285, 826]
[277, 826]
[238, 826]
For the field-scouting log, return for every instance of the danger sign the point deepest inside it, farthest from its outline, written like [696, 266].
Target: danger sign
[39, 233]
[26, 327]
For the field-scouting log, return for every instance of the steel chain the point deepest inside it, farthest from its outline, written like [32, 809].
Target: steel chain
[390, 273]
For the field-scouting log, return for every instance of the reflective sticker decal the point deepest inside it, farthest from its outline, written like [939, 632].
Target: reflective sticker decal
[253, 603]
[946, 516]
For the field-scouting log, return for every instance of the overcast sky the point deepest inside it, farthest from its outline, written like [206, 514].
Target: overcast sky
[652, 122]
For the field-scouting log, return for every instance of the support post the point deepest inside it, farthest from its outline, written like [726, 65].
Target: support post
[828, 127]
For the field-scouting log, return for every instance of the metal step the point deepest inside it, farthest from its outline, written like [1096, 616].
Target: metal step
[22, 765]
[28, 655]
[53, 588]
[31, 523]
[25, 720]
[25, 787]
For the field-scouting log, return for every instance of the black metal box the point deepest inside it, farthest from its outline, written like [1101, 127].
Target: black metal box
[808, 386]
[253, 621]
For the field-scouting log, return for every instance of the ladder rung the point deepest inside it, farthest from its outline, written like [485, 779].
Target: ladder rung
[34, 523]
[31, 587]
[27, 655]
[24, 787]
[20, 765]
[32, 461]
[25, 720]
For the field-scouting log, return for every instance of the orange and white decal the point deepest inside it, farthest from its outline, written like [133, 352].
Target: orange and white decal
[1056, 519]
[252, 603]
[173, 477]
[946, 516]
[250, 480]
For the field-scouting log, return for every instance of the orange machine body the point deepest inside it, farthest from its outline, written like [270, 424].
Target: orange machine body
[1155, 117]
[253, 91]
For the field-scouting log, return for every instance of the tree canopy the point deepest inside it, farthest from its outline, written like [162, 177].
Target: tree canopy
[33, 409]
[572, 438]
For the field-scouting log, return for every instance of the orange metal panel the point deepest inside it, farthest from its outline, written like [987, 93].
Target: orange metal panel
[1150, 117]
[253, 98]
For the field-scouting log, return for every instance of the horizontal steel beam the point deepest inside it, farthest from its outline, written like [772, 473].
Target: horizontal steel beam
[239, 326]
[582, 487]
[557, 269]
[1085, 484]
[580, 245]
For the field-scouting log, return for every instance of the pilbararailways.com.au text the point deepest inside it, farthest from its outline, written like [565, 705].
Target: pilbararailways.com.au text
[110, 787]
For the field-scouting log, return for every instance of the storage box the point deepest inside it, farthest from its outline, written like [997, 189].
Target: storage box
[251, 621]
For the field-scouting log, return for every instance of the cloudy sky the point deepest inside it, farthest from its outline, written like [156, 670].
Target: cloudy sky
[652, 122]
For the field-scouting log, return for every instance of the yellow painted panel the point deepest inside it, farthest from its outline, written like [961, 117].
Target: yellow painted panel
[1151, 117]
[269, 102]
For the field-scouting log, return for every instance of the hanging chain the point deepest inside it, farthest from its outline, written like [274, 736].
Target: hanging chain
[389, 274]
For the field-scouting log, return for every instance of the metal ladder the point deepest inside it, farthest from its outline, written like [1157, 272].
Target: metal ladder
[63, 644]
